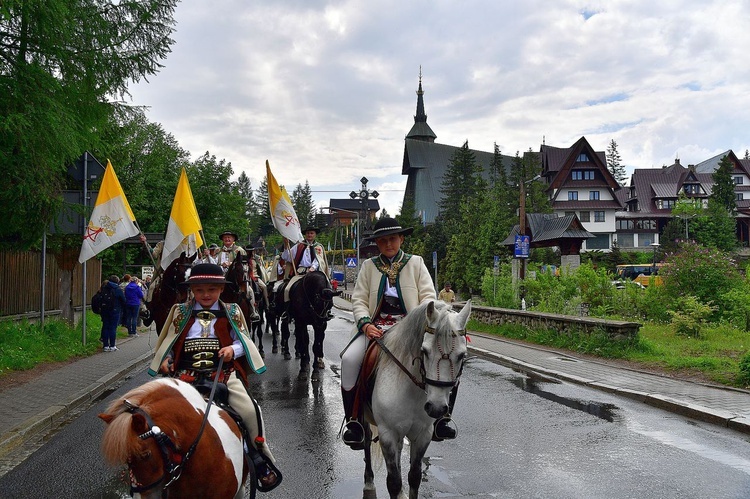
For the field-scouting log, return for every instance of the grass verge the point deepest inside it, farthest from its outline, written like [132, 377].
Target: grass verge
[24, 345]
[714, 356]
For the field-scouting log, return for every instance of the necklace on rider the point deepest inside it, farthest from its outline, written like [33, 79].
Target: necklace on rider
[391, 269]
[204, 319]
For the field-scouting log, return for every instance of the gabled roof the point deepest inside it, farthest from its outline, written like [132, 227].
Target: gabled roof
[557, 163]
[543, 227]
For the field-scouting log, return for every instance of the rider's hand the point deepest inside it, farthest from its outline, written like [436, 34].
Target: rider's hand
[227, 353]
[372, 331]
[167, 366]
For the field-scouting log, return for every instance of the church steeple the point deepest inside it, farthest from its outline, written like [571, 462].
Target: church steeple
[421, 130]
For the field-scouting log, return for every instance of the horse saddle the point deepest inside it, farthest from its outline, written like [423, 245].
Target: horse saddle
[366, 379]
[288, 286]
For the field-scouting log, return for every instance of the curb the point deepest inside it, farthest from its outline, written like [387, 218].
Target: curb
[49, 420]
[713, 416]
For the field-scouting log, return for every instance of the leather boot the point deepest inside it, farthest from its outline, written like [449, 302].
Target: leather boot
[354, 433]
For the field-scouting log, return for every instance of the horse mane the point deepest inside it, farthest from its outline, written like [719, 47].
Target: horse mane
[404, 339]
[119, 441]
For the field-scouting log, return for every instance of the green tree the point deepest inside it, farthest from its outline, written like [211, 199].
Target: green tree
[263, 222]
[61, 64]
[722, 192]
[304, 207]
[461, 181]
[614, 163]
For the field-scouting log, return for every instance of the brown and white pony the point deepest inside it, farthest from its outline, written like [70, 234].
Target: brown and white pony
[157, 431]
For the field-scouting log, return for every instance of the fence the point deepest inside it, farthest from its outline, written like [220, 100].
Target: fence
[21, 285]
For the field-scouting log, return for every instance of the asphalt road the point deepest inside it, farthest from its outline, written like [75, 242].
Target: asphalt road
[519, 437]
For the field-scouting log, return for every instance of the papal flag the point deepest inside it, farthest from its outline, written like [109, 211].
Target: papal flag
[112, 219]
[282, 212]
[183, 231]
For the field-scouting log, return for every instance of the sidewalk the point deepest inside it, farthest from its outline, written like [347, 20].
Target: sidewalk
[32, 410]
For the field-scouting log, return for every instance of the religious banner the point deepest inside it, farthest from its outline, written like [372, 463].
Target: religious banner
[183, 231]
[282, 212]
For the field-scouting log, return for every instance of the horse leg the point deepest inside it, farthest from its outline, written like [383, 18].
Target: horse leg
[418, 450]
[317, 348]
[391, 446]
[285, 339]
[301, 339]
[258, 329]
[369, 491]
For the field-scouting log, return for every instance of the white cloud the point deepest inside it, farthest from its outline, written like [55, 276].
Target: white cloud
[326, 90]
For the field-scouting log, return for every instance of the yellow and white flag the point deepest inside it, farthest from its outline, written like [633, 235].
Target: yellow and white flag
[112, 219]
[282, 212]
[183, 231]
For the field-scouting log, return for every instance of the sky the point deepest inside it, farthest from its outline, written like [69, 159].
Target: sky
[326, 90]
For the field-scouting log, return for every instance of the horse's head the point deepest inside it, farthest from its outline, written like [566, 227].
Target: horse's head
[443, 353]
[153, 430]
[318, 292]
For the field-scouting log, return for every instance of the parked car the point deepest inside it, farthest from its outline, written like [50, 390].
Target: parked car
[644, 275]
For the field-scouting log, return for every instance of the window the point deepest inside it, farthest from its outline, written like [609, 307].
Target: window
[691, 188]
[572, 195]
[599, 242]
[738, 180]
[583, 158]
[665, 204]
[576, 175]
[625, 240]
[738, 196]
[625, 225]
[594, 195]
[599, 216]
[585, 216]
[588, 175]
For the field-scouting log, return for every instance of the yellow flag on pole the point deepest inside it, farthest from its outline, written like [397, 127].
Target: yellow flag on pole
[282, 212]
[183, 231]
[112, 219]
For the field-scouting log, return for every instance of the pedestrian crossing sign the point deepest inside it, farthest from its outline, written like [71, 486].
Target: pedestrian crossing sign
[351, 263]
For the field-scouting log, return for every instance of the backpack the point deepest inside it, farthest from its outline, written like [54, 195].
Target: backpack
[96, 302]
[107, 300]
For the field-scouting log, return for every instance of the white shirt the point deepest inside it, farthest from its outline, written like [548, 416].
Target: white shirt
[196, 329]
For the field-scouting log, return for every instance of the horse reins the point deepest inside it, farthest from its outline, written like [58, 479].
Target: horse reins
[172, 470]
[425, 380]
[310, 303]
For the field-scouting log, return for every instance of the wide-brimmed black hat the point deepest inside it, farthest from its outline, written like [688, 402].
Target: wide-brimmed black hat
[386, 227]
[205, 273]
[310, 227]
[229, 233]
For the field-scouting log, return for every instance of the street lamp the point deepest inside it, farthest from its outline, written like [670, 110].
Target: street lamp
[330, 208]
[653, 263]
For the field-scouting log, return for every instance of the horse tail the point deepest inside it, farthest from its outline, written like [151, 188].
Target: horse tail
[376, 453]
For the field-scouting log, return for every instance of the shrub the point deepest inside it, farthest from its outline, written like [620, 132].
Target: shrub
[690, 317]
[743, 379]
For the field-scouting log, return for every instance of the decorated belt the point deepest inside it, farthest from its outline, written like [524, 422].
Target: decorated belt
[386, 321]
[192, 375]
[200, 353]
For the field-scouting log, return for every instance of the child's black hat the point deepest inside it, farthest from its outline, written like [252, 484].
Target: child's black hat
[206, 273]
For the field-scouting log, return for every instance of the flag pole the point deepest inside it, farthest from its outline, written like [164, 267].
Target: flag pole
[145, 243]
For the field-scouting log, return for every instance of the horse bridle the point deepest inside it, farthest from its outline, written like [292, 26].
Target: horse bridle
[423, 373]
[167, 448]
[317, 295]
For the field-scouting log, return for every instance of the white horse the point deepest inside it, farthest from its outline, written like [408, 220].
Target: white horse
[416, 371]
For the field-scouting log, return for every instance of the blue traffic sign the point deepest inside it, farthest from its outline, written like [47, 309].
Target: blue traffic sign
[351, 263]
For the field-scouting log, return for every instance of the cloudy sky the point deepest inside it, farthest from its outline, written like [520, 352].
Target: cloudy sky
[326, 90]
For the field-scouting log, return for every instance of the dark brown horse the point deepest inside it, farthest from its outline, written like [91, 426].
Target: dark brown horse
[168, 290]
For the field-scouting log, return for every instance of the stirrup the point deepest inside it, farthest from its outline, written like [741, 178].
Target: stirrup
[448, 433]
[354, 444]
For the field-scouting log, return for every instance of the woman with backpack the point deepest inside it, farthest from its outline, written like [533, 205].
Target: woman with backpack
[113, 303]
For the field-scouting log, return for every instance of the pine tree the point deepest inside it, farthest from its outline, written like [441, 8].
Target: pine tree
[304, 207]
[723, 188]
[461, 181]
[614, 164]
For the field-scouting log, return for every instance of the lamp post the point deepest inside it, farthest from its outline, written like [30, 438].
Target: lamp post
[364, 200]
[330, 208]
[653, 263]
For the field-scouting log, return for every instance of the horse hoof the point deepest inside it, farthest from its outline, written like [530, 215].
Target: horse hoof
[302, 375]
[319, 364]
[287, 356]
[275, 350]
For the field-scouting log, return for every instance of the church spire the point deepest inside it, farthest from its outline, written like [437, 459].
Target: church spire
[421, 130]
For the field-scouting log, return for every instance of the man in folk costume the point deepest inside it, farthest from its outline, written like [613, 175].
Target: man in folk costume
[257, 271]
[200, 332]
[305, 256]
[230, 251]
[389, 286]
